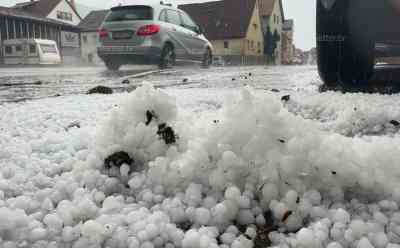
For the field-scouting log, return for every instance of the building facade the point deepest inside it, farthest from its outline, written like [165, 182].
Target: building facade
[18, 24]
[89, 36]
[287, 42]
[252, 44]
[272, 19]
[63, 12]
[233, 27]
[59, 10]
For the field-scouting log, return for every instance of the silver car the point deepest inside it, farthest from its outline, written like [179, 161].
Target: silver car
[151, 34]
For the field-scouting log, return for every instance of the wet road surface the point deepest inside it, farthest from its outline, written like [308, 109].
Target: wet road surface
[21, 84]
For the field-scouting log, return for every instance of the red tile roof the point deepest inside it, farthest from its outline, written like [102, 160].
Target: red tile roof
[220, 20]
[267, 6]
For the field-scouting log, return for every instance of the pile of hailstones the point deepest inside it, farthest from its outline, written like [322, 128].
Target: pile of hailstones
[201, 217]
[86, 208]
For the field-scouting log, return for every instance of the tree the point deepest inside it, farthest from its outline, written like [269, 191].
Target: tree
[271, 43]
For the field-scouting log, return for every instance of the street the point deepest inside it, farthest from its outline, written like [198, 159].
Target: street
[34, 83]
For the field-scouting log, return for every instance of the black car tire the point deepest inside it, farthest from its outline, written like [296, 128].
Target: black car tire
[168, 57]
[345, 47]
[112, 65]
[207, 59]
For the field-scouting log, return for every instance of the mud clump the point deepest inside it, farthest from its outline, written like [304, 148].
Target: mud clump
[74, 124]
[100, 90]
[285, 98]
[166, 133]
[262, 239]
[395, 123]
[117, 160]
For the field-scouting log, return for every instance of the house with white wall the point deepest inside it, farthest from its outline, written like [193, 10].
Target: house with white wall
[287, 42]
[60, 10]
[89, 36]
[272, 19]
[232, 26]
[63, 11]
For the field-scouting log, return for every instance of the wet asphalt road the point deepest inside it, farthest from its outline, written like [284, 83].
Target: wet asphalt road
[24, 84]
[19, 84]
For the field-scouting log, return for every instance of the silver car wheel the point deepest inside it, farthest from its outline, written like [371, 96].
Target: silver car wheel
[169, 59]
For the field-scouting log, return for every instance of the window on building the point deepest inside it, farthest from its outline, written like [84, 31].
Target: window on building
[24, 30]
[252, 45]
[17, 29]
[255, 26]
[30, 30]
[11, 30]
[18, 48]
[32, 48]
[226, 44]
[64, 16]
[8, 49]
[37, 30]
[248, 44]
[84, 38]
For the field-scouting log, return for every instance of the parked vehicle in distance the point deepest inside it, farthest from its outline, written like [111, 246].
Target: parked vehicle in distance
[351, 34]
[31, 52]
[218, 61]
[151, 34]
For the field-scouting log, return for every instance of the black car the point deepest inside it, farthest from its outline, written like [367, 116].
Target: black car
[351, 34]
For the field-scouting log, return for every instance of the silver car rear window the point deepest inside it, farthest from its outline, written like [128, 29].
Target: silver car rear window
[130, 13]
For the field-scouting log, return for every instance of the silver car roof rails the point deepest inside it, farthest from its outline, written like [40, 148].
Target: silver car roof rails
[166, 4]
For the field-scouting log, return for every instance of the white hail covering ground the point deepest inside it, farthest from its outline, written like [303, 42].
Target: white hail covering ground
[309, 156]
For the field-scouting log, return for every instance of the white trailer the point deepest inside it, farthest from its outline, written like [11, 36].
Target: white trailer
[30, 52]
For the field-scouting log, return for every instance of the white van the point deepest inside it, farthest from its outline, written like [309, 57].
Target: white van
[31, 52]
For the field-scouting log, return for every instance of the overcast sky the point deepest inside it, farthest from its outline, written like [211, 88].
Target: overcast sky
[302, 11]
